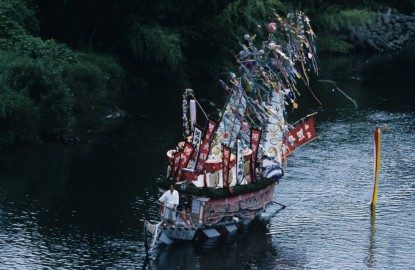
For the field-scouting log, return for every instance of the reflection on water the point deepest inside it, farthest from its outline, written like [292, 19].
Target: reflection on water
[250, 248]
[79, 206]
[371, 260]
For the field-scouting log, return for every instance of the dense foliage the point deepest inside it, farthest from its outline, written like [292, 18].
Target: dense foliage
[44, 83]
[59, 59]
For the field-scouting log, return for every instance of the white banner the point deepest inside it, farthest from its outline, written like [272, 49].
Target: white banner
[239, 162]
[192, 107]
[196, 141]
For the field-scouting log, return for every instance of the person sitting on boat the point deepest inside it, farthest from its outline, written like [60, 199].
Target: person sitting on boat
[170, 201]
[184, 219]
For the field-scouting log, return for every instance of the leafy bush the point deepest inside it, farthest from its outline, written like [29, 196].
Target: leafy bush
[87, 82]
[335, 21]
[22, 13]
[48, 91]
[53, 54]
[340, 19]
[46, 79]
[56, 109]
[19, 118]
[115, 76]
[331, 43]
[156, 44]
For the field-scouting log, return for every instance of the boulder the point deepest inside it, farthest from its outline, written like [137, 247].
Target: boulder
[399, 41]
[389, 31]
[386, 16]
[397, 27]
[400, 19]
[409, 18]
[372, 45]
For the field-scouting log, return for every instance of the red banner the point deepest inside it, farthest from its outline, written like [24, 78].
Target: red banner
[226, 160]
[175, 164]
[204, 148]
[185, 157]
[255, 138]
[302, 133]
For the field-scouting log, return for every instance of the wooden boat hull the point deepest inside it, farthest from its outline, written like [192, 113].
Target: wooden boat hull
[218, 217]
[169, 235]
[244, 206]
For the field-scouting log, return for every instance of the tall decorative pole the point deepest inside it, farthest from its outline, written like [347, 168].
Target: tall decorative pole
[376, 156]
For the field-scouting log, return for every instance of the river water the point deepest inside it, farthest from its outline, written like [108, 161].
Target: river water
[79, 206]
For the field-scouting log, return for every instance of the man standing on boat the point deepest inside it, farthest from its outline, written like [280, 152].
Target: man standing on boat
[170, 201]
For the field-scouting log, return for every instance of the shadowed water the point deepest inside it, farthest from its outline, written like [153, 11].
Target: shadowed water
[79, 206]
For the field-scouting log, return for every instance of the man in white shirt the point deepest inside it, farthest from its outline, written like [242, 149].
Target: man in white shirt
[170, 200]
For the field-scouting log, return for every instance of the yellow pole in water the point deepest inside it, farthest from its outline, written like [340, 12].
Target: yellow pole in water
[376, 167]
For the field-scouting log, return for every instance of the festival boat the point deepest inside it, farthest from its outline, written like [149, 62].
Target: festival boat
[227, 172]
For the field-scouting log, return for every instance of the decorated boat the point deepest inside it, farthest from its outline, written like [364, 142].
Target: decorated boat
[226, 172]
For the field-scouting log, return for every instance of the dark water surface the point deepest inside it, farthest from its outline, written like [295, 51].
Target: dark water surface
[79, 206]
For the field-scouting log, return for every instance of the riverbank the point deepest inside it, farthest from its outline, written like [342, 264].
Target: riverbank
[378, 31]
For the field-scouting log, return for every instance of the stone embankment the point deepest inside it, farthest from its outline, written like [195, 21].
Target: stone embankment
[385, 31]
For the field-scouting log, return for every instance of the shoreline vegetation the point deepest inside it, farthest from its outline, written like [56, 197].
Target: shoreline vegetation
[61, 60]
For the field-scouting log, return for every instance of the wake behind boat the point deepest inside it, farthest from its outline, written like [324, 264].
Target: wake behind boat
[225, 174]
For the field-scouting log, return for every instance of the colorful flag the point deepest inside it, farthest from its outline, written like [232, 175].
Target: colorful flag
[204, 148]
[185, 156]
[301, 134]
[255, 138]
[175, 164]
[226, 160]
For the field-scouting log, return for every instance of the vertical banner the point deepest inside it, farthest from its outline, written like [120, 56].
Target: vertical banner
[197, 139]
[226, 160]
[185, 156]
[255, 138]
[376, 163]
[192, 109]
[239, 162]
[204, 148]
[175, 165]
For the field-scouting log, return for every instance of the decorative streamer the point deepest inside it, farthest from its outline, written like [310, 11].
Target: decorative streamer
[266, 82]
[376, 163]
[230, 125]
